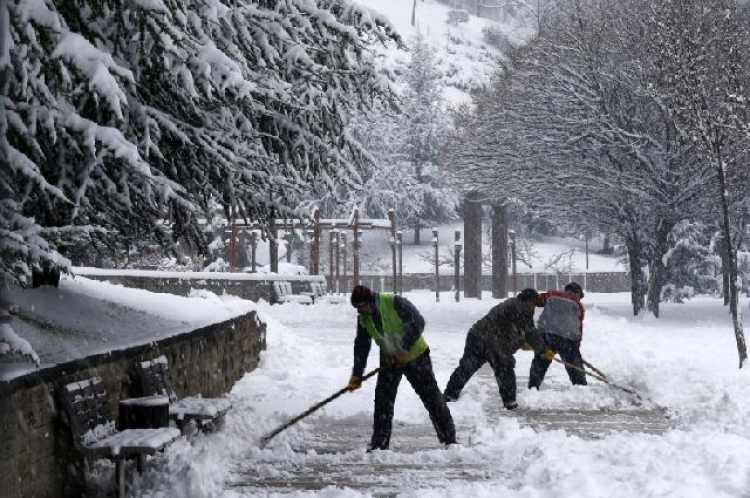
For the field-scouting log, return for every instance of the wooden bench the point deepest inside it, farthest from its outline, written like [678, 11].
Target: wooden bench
[319, 294]
[283, 293]
[86, 412]
[157, 380]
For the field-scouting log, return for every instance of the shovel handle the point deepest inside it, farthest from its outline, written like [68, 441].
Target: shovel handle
[599, 377]
[312, 409]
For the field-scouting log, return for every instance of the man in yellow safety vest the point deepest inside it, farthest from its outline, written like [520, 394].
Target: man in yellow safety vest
[396, 327]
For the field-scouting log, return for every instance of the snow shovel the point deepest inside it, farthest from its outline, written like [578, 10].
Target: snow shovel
[598, 376]
[592, 367]
[310, 410]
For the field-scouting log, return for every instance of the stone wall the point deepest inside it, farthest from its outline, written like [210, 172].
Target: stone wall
[263, 289]
[252, 290]
[36, 457]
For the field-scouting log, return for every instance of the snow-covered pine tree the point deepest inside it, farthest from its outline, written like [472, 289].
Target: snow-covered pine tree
[382, 183]
[425, 129]
[693, 265]
[115, 114]
[399, 167]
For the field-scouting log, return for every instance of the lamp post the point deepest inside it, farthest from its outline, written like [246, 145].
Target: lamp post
[331, 262]
[392, 219]
[400, 250]
[512, 234]
[457, 263]
[357, 248]
[437, 264]
[337, 244]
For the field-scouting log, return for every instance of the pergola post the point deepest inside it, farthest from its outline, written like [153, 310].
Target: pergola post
[316, 243]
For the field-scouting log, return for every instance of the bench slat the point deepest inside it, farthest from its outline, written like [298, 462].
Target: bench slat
[156, 379]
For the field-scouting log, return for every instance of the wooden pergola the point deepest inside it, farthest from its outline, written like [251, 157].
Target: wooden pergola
[313, 229]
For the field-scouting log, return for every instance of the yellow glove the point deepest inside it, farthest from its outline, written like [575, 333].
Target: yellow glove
[526, 346]
[548, 355]
[355, 382]
[402, 357]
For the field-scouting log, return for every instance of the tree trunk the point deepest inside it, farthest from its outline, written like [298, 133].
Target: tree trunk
[731, 255]
[273, 248]
[472, 245]
[417, 230]
[499, 252]
[657, 269]
[724, 270]
[637, 276]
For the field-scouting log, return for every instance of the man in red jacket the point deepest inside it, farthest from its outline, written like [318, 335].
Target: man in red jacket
[561, 327]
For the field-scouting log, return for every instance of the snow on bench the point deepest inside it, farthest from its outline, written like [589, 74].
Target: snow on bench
[283, 293]
[319, 294]
[86, 413]
[157, 380]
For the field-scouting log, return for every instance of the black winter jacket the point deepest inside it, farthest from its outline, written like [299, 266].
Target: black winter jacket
[505, 328]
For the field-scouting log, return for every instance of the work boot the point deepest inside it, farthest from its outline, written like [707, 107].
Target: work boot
[371, 447]
[510, 405]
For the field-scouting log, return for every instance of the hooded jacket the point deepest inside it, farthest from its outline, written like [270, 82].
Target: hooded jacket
[562, 315]
[505, 328]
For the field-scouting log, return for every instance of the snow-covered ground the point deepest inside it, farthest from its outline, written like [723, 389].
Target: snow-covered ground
[685, 361]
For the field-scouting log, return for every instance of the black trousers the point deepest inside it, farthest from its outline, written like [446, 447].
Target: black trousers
[568, 350]
[476, 354]
[421, 377]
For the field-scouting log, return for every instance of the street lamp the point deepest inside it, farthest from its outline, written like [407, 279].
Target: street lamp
[457, 263]
[437, 264]
[512, 234]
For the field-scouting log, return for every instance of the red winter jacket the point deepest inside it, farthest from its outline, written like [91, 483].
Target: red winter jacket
[562, 315]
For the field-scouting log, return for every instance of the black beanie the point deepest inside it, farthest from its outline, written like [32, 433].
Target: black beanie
[361, 294]
[575, 288]
[528, 295]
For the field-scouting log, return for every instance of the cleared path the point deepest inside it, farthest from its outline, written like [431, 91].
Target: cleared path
[331, 452]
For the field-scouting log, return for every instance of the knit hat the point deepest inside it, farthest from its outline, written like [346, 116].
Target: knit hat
[361, 294]
[575, 289]
[528, 295]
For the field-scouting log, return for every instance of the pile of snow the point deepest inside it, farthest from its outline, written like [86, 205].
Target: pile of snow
[84, 317]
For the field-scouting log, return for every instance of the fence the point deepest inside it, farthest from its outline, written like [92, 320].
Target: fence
[590, 281]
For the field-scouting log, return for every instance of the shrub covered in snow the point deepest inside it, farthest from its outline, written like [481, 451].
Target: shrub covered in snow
[14, 349]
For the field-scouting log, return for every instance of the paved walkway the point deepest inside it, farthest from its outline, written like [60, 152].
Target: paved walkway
[332, 451]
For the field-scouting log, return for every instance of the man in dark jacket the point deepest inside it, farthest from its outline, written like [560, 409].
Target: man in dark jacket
[561, 327]
[494, 339]
[396, 326]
